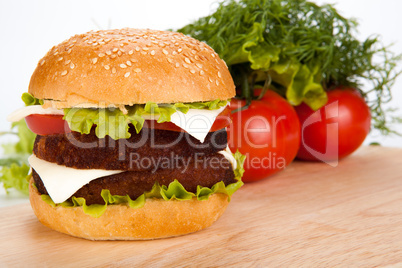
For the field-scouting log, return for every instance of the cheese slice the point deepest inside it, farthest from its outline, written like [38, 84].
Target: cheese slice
[62, 182]
[229, 156]
[23, 112]
[196, 122]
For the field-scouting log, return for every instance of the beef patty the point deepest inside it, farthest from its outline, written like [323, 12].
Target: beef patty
[89, 152]
[204, 171]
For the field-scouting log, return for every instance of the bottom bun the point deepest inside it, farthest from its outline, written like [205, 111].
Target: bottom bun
[156, 219]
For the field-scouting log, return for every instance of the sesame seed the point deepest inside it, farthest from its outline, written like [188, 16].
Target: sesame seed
[143, 53]
[174, 53]
[213, 55]
[145, 48]
[177, 65]
[217, 82]
[42, 62]
[128, 63]
[153, 52]
[67, 62]
[123, 66]
[63, 73]
[113, 70]
[137, 70]
[56, 53]
[130, 52]
[179, 50]
[72, 66]
[109, 52]
[115, 49]
[121, 44]
[69, 51]
[119, 53]
[113, 56]
[60, 59]
[192, 71]
[137, 49]
[185, 65]
[210, 79]
[169, 60]
[107, 67]
[187, 60]
[199, 65]
[219, 74]
[127, 74]
[201, 72]
[94, 60]
[165, 51]
[101, 55]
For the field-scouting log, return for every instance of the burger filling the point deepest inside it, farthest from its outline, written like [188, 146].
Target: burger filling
[178, 156]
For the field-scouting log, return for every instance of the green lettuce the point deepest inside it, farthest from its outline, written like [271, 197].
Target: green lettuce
[14, 167]
[29, 100]
[259, 42]
[114, 123]
[174, 191]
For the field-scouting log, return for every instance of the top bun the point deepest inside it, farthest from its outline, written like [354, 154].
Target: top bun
[130, 66]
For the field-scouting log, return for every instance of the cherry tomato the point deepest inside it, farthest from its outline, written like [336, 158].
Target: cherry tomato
[337, 129]
[47, 124]
[267, 132]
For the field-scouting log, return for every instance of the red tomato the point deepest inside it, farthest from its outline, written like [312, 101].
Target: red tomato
[335, 130]
[267, 132]
[47, 124]
[54, 124]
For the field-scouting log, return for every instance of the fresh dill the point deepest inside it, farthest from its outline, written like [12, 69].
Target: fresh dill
[302, 49]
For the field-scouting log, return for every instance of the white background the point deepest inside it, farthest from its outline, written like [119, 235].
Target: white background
[29, 28]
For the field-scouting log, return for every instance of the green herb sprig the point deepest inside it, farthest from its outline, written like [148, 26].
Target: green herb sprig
[301, 49]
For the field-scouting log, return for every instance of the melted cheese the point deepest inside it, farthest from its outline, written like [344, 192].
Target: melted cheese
[62, 182]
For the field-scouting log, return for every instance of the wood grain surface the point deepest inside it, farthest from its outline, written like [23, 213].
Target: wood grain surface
[310, 215]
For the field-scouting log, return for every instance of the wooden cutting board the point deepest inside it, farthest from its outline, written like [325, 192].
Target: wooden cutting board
[310, 215]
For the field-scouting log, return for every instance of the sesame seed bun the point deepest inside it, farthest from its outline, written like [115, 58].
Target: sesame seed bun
[130, 66]
[156, 219]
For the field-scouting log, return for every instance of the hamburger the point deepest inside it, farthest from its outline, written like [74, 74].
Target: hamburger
[131, 135]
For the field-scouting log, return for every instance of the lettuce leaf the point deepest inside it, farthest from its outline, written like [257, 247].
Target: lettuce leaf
[14, 167]
[277, 38]
[29, 100]
[15, 176]
[114, 123]
[174, 191]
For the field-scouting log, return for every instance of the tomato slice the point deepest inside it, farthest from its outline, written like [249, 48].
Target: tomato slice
[47, 124]
[222, 120]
